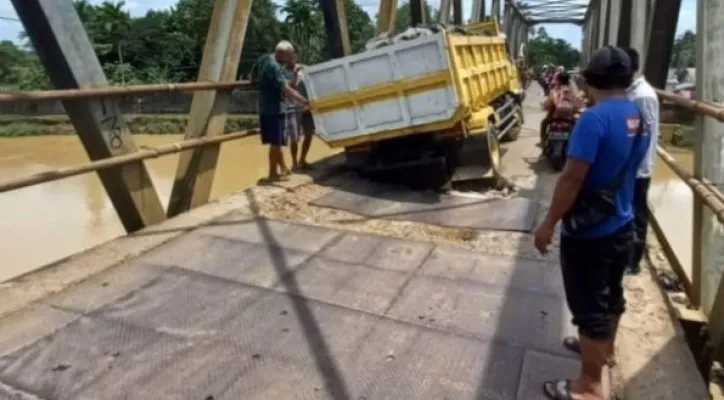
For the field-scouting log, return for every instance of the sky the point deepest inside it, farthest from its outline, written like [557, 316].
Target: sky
[9, 30]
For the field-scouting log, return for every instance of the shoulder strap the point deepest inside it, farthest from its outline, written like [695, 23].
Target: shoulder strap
[619, 178]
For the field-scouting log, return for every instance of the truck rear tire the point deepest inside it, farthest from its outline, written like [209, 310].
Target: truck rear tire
[493, 147]
[514, 131]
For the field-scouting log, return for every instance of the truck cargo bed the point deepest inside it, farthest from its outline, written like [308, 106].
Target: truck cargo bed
[395, 87]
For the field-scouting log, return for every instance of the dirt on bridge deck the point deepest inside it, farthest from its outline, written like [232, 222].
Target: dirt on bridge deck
[264, 296]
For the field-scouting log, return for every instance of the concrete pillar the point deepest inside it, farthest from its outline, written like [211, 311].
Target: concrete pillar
[709, 160]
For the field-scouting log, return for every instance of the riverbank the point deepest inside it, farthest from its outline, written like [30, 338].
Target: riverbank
[154, 124]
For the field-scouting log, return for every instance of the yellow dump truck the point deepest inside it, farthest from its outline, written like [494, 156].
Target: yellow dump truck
[433, 108]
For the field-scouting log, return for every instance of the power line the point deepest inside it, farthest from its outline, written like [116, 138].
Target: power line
[9, 19]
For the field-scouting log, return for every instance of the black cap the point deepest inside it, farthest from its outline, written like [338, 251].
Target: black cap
[608, 61]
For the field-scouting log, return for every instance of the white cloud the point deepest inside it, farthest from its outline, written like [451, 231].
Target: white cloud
[9, 30]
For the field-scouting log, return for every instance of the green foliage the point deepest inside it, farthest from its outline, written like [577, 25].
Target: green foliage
[167, 45]
[543, 49]
[403, 16]
[683, 54]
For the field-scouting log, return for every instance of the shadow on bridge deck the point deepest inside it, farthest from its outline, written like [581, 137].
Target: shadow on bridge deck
[247, 306]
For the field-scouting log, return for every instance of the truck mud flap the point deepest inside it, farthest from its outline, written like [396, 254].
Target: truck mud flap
[478, 158]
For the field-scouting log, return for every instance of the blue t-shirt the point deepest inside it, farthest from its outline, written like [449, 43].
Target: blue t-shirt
[603, 137]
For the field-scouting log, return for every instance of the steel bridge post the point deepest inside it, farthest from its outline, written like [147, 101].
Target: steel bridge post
[507, 23]
[601, 14]
[335, 25]
[594, 19]
[495, 9]
[457, 12]
[523, 40]
[477, 13]
[219, 63]
[637, 35]
[623, 38]
[417, 12]
[664, 18]
[613, 23]
[708, 265]
[386, 15]
[58, 37]
[444, 16]
[585, 41]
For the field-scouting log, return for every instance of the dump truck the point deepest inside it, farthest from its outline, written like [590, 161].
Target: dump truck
[428, 111]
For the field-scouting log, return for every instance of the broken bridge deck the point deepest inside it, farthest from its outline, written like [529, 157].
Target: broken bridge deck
[252, 308]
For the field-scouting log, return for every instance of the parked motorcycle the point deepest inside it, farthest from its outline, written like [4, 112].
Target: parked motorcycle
[556, 144]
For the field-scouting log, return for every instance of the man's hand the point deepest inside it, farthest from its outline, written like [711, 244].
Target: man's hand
[543, 236]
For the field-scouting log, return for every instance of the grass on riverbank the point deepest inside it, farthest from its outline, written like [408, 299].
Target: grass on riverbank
[158, 124]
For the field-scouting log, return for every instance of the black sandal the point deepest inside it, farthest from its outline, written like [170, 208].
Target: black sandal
[571, 343]
[557, 390]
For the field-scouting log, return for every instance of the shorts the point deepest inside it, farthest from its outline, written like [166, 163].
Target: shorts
[271, 129]
[306, 121]
[593, 271]
[291, 126]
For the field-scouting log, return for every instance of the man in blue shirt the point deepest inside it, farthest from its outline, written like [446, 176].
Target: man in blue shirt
[273, 87]
[593, 197]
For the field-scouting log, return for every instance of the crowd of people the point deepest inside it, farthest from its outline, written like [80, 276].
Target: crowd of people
[284, 116]
[600, 201]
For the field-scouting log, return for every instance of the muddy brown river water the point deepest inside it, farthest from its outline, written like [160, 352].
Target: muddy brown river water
[44, 223]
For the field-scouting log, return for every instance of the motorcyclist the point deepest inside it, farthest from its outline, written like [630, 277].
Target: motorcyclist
[562, 104]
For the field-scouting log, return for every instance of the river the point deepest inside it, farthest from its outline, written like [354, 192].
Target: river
[44, 223]
[47, 222]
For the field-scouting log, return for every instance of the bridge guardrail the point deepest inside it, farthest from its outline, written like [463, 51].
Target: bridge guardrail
[713, 198]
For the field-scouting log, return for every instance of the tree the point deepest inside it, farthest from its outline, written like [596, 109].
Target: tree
[167, 45]
[403, 16]
[543, 49]
[683, 54]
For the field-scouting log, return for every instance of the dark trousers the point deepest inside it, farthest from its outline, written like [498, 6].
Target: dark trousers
[593, 272]
[641, 220]
[544, 127]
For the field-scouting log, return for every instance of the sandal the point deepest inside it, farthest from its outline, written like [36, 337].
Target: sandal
[557, 390]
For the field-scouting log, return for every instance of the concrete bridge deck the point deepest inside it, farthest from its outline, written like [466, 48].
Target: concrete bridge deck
[243, 299]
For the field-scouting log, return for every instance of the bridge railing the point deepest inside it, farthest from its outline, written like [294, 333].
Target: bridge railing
[125, 159]
[705, 328]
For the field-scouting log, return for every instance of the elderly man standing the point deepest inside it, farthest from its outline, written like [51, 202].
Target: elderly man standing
[273, 88]
[645, 98]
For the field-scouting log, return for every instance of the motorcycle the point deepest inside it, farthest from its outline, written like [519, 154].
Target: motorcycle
[556, 142]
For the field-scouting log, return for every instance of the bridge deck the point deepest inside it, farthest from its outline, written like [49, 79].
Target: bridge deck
[261, 309]
[241, 306]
